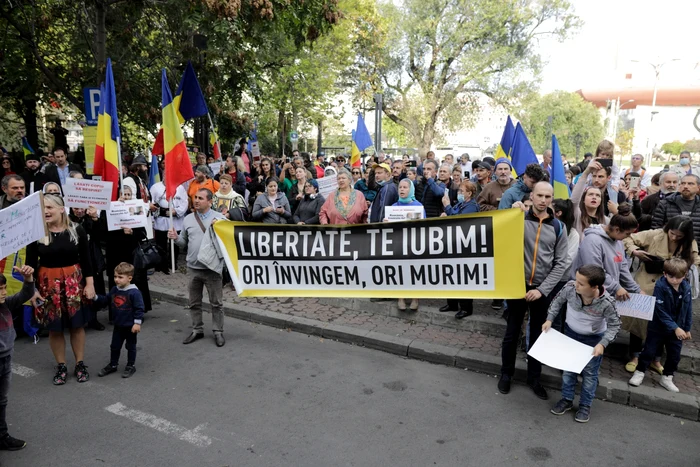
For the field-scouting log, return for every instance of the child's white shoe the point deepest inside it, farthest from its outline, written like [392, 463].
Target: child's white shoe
[636, 378]
[667, 383]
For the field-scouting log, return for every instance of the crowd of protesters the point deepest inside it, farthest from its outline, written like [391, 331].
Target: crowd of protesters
[620, 233]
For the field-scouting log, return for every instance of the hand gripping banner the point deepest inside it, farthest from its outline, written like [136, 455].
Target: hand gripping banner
[469, 256]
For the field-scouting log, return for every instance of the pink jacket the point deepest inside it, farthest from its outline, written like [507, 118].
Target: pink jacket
[357, 215]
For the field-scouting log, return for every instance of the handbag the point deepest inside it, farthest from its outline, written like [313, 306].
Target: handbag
[146, 255]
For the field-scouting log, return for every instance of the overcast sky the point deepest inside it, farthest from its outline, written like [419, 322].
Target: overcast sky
[618, 31]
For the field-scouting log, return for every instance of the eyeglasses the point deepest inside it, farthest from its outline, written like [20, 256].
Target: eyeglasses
[356, 173]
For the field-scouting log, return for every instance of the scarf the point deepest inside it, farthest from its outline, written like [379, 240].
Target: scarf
[411, 194]
[344, 210]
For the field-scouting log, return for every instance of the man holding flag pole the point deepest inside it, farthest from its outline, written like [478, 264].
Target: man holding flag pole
[177, 171]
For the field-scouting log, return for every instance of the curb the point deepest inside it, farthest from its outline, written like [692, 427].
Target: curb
[654, 400]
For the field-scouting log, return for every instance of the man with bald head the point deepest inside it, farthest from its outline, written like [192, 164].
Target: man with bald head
[546, 260]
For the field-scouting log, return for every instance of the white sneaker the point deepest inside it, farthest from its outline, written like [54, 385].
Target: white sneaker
[667, 382]
[636, 378]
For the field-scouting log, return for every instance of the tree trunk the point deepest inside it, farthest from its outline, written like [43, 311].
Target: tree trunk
[281, 130]
[30, 118]
[100, 36]
[295, 127]
[319, 141]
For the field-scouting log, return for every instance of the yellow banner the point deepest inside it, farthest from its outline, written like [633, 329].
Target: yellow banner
[89, 141]
[469, 256]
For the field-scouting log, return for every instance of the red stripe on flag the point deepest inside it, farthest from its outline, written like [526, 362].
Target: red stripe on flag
[178, 169]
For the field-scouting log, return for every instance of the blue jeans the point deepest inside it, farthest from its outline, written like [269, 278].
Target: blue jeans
[589, 373]
[5, 377]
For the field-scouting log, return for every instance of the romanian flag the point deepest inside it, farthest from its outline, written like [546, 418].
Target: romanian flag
[561, 187]
[189, 103]
[178, 169]
[108, 135]
[361, 140]
[215, 145]
[521, 152]
[26, 147]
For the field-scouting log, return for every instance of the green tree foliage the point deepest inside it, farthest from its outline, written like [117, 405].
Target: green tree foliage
[673, 148]
[571, 115]
[431, 57]
[692, 145]
[57, 47]
[625, 140]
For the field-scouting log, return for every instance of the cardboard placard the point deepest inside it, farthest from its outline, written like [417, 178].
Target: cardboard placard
[403, 213]
[126, 214]
[327, 185]
[21, 224]
[83, 193]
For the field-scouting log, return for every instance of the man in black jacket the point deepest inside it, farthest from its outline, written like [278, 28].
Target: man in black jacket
[669, 183]
[60, 171]
[430, 192]
[33, 174]
[684, 203]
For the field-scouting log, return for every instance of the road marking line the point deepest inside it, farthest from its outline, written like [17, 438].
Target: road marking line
[162, 425]
[23, 371]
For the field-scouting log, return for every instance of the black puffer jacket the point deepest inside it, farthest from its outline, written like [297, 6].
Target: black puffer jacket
[308, 209]
[670, 207]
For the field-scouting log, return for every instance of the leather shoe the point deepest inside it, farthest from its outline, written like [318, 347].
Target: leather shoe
[219, 338]
[445, 309]
[463, 314]
[539, 390]
[193, 337]
[504, 384]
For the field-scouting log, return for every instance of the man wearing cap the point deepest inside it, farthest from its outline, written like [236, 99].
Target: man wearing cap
[491, 194]
[138, 172]
[320, 165]
[201, 182]
[387, 195]
[483, 175]
[33, 174]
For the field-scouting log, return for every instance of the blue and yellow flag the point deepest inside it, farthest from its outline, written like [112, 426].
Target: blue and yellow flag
[361, 140]
[521, 153]
[26, 147]
[561, 187]
[506, 145]
[189, 99]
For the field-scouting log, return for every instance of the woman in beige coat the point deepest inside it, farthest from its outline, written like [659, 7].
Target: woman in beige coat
[653, 247]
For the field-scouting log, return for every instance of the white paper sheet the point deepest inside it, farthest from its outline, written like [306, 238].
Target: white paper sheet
[21, 224]
[80, 193]
[126, 214]
[556, 350]
[403, 213]
[327, 185]
[638, 306]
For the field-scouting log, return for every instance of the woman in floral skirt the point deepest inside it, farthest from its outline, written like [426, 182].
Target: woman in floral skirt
[64, 286]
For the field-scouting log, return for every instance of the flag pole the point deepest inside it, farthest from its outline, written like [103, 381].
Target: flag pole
[119, 163]
[211, 126]
[172, 242]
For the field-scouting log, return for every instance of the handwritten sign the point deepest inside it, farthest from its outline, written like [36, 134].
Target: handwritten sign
[638, 306]
[561, 352]
[81, 193]
[255, 150]
[403, 213]
[327, 185]
[126, 214]
[21, 224]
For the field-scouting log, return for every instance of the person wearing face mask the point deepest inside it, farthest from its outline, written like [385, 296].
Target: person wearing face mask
[309, 206]
[685, 166]
[466, 203]
[387, 194]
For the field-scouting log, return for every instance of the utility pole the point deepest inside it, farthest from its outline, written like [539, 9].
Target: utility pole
[378, 122]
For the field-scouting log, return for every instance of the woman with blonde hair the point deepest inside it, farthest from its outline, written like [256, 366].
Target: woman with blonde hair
[64, 282]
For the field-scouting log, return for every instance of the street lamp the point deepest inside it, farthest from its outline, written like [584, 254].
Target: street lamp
[657, 70]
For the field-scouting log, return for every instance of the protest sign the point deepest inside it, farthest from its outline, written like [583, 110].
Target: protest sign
[555, 349]
[327, 185]
[255, 150]
[215, 167]
[126, 214]
[21, 224]
[473, 256]
[638, 306]
[81, 193]
[403, 213]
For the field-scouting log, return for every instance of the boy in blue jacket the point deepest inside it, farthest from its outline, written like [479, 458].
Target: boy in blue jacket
[673, 318]
[126, 304]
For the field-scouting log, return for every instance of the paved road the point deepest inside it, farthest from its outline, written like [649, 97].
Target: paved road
[271, 398]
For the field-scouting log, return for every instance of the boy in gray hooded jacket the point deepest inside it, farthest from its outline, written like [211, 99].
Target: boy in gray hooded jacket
[592, 319]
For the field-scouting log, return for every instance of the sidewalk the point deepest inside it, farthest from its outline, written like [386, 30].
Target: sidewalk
[473, 343]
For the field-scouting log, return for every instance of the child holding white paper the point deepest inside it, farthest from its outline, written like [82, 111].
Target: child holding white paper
[673, 318]
[591, 318]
